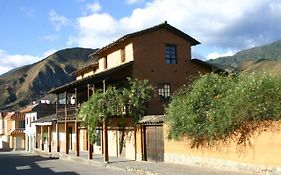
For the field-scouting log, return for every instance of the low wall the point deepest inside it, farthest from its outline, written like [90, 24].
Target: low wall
[263, 155]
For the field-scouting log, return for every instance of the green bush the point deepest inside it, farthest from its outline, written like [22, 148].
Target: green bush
[219, 108]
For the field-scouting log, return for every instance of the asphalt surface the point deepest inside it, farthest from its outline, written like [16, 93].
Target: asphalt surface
[21, 163]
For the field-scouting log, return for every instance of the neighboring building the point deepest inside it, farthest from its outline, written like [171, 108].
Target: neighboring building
[160, 54]
[13, 131]
[32, 113]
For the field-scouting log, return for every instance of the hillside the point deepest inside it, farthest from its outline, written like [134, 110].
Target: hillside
[267, 52]
[20, 86]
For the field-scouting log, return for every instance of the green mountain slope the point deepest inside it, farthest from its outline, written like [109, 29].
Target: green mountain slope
[267, 52]
[22, 85]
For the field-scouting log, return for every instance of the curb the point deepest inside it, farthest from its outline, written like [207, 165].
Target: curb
[110, 165]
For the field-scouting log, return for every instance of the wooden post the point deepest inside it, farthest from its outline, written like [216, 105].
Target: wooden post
[65, 125]
[50, 138]
[36, 136]
[77, 126]
[58, 136]
[105, 141]
[90, 146]
[77, 138]
[105, 137]
[42, 137]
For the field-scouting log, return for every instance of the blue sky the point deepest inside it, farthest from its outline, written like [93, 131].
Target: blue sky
[30, 30]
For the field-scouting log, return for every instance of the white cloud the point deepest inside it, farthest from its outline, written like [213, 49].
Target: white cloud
[224, 24]
[95, 30]
[215, 55]
[9, 62]
[57, 20]
[94, 7]
[50, 38]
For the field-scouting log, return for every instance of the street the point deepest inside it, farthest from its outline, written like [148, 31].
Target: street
[19, 163]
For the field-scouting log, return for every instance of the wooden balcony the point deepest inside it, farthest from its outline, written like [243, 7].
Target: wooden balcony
[67, 114]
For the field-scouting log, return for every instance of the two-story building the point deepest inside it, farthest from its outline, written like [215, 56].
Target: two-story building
[13, 130]
[34, 112]
[160, 54]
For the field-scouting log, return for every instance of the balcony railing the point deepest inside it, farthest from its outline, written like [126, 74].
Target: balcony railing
[68, 114]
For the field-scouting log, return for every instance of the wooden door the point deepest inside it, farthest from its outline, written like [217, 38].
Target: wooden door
[154, 143]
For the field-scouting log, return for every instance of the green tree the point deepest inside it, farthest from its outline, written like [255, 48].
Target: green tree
[131, 100]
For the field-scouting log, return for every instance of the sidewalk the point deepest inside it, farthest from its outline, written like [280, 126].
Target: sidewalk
[139, 167]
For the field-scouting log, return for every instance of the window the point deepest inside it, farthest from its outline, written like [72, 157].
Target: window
[171, 54]
[105, 62]
[123, 55]
[164, 92]
[22, 124]
[98, 139]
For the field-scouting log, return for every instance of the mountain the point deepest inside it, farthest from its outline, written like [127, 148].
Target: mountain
[22, 85]
[257, 54]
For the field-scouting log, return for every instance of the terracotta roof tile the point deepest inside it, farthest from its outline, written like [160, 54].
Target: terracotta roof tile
[18, 131]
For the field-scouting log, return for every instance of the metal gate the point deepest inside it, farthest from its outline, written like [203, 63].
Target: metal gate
[154, 143]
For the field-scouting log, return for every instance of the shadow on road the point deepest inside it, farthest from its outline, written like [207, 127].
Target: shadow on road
[19, 163]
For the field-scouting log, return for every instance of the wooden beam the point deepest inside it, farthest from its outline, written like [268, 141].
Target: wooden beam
[77, 126]
[104, 136]
[77, 138]
[50, 138]
[65, 125]
[36, 136]
[90, 147]
[58, 136]
[42, 137]
[105, 142]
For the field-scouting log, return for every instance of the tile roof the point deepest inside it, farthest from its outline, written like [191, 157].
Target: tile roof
[164, 25]
[28, 108]
[92, 78]
[151, 119]
[17, 131]
[49, 118]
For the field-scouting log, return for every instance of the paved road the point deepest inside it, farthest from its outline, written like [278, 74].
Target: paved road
[20, 163]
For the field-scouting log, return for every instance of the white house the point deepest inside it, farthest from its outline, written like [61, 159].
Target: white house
[32, 113]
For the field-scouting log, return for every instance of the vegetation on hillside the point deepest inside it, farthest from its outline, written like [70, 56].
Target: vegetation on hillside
[22, 85]
[268, 52]
[130, 100]
[216, 109]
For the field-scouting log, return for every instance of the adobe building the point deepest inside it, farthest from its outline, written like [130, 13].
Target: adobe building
[160, 54]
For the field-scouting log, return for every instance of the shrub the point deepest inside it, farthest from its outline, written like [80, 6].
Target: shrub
[218, 108]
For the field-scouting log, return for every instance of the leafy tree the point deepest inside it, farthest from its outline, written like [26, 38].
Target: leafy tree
[131, 100]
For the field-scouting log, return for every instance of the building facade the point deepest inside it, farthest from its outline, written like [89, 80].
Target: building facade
[160, 54]
[34, 112]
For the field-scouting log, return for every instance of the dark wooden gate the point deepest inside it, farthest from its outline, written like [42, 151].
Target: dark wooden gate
[154, 143]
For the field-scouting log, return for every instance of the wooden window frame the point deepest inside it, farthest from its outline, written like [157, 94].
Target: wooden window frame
[164, 91]
[171, 54]
[123, 55]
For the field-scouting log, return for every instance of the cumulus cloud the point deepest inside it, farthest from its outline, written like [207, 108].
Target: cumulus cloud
[225, 24]
[8, 61]
[57, 20]
[214, 55]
